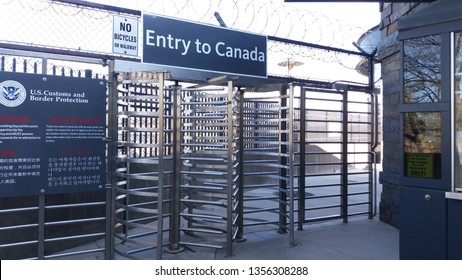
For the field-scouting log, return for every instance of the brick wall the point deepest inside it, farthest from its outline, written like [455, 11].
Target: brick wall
[389, 54]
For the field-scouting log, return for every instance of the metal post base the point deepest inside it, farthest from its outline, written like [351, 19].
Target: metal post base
[174, 249]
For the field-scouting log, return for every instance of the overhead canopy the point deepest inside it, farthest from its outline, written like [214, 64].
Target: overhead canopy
[191, 76]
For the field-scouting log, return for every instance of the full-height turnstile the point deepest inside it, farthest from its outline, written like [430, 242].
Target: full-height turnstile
[176, 180]
[143, 176]
[268, 160]
[208, 163]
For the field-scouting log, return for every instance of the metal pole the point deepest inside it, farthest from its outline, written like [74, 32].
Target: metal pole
[344, 184]
[373, 161]
[370, 61]
[291, 165]
[372, 166]
[44, 66]
[41, 225]
[111, 162]
[176, 180]
[240, 199]
[230, 206]
[42, 204]
[283, 162]
[160, 203]
[302, 178]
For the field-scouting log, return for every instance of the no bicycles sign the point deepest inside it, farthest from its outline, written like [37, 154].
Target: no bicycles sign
[125, 36]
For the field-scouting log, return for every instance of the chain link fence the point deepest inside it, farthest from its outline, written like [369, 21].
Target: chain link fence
[85, 28]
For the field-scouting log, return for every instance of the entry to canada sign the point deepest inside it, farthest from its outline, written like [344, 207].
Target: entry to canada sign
[196, 46]
[52, 134]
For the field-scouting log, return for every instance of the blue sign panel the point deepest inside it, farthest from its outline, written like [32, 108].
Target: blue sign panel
[52, 134]
[178, 43]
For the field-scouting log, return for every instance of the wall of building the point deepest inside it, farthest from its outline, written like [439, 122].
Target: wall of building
[389, 55]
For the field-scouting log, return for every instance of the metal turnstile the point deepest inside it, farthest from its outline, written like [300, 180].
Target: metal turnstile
[176, 179]
[143, 166]
[209, 178]
[268, 159]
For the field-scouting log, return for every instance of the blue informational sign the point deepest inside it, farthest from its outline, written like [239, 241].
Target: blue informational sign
[52, 134]
[179, 43]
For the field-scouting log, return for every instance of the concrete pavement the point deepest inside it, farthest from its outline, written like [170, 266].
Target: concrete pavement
[360, 239]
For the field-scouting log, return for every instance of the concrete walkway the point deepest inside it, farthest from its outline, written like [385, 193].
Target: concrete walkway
[360, 239]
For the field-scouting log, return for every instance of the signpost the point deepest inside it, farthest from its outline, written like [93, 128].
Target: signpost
[52, 134]
[183, 44]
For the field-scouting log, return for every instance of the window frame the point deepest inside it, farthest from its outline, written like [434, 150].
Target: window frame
[454, 186]
[444, 107]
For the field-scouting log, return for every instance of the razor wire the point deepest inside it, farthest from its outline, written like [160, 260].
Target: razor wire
[269, 17]
[84, 27]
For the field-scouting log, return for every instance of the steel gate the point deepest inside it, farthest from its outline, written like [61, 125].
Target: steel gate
[335, 131]
[334, 163]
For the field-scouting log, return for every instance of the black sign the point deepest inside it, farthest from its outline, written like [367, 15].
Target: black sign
[52, 134]
[197, 46]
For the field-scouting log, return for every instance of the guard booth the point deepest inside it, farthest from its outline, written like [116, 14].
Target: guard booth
[430, 186]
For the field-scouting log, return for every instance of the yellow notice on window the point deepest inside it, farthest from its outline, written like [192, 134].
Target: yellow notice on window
[420, 165]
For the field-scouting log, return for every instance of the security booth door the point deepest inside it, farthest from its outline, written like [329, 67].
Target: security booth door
[423, 224]
[426, 152]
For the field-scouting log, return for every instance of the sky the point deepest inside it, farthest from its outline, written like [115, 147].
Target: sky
[362, 15]
[359, 14]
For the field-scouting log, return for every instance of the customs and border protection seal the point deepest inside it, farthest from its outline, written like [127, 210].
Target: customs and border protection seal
[12, 94]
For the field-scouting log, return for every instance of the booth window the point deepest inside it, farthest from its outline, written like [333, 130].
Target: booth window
[422, 129]
[422, 144]
[458, 109]
[422, 70]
